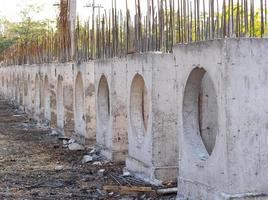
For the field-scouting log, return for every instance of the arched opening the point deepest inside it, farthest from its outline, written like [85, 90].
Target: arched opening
[13, 85]
[139, 106]
[3, 81]
[37, 96]
[47, 99]
[80, 122]
[200, 113]
[20, 88]
[7, 86]
[60, 106]
[29, 96]
[25, 87]
[17, 90]
[103, 103]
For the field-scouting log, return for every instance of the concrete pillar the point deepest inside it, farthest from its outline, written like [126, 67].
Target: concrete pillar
[90, 101]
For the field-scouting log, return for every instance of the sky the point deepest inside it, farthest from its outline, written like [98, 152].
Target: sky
[11, 8]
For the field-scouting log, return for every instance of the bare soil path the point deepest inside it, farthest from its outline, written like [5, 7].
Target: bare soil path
[30, 156]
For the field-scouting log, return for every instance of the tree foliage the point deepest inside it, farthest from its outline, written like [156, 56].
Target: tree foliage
[25, 31]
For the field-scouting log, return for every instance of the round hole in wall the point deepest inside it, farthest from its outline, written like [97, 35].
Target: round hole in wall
[200, 113]
[60, 103]
[80, 125]
[25, 89]
[37, 100]
[139, 106]
[47, 99]
[103, 101]
[17, 89]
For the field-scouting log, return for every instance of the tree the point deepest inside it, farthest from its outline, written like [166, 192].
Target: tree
[27, 29]
[25, 32]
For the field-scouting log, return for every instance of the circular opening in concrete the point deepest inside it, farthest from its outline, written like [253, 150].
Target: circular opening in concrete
[47, 99]
[17, 89]
[200, 113]
[29, 85]
[139, 106]
[80, 126]
[13, 85]
[20, 87]
[103, 101]
[25, 87]
[60, 106]
[37, 101]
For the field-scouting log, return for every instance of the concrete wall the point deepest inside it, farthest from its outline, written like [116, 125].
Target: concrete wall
[111, 101]
[199, 114]
[152, 111]
[222, 119]
[47, 92]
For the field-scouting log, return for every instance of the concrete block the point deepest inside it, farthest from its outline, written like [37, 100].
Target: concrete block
[111, 101]
[222, 122]
[152, 116]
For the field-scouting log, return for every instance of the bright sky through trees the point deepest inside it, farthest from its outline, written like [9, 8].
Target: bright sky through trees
[11, 8]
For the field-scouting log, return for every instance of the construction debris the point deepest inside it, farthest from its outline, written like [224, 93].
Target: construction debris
[167, 191]
[76, 147]
[87, 158]
[35, 170]
[125, 189]
[59, 167]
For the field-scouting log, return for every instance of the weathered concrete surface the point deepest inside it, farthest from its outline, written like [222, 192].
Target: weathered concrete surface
[152, 116]
[47, 91]
[84, 100]
[111, 100]
[237, 166]
[35, 165]
[202, 110]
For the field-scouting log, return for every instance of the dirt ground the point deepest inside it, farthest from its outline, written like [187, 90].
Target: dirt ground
[36, 165]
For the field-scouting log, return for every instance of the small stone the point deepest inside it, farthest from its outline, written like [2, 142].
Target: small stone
[65, 142]
[126, 173]
[71, 141]
[75, 147]
[54, 133]
[97, 163]
[101, 172]
[62, 137]
[92, 151]
[59, 168]
[100, 192]
[86, 159]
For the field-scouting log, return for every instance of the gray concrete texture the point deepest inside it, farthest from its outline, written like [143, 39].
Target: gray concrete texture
[199, 113]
